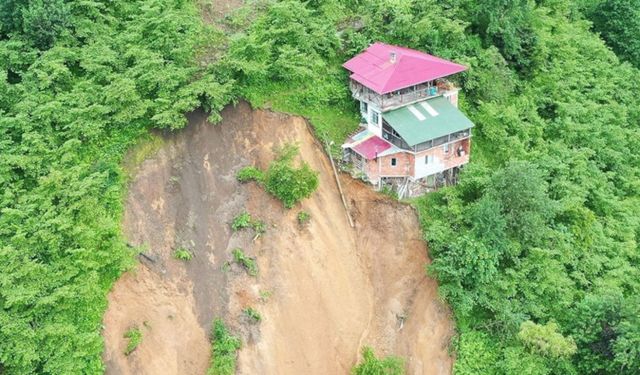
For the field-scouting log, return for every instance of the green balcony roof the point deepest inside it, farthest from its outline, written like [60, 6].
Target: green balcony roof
[430, 119]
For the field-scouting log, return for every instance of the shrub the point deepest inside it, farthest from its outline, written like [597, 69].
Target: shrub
[241, 221]
[245, 220]
[183, 254]
[287, 183]
[250, 173]
[223, 350]
[248, 263]
[252, 314]
[259, 226]
[135, 338]
[371, 365]
[303, 217]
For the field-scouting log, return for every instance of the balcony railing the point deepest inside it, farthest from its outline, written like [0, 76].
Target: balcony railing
[391, 136]
[402, 97]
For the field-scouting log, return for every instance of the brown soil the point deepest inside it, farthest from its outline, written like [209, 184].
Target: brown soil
[323, 291]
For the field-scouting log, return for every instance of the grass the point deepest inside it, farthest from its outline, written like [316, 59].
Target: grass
[135, 338]
[249, 264]
[183, 254]
[224, 348]
[147, 146]
[332, 121]
[252, 314]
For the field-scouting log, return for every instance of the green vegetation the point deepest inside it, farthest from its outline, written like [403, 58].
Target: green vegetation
[224, 350]
[282, 179]
[303, 218]
[249, 264]
[183, 254]
[81, 82]
[288, 183]
[135, 338]
[535, 249]
[241, 221]
[618, 21]
[371, 365]
[245, 220]
[542, 227]
[250, 173]
[252, 314]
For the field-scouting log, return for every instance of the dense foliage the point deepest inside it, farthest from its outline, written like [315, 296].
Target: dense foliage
[618, 21]
[80, 81]
[536, 249]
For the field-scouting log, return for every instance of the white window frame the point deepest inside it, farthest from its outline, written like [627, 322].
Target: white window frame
[394, 162]
[445, 148]
[364, 107]
[375, 114]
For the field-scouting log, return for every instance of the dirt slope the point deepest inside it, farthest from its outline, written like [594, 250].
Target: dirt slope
[323, 291]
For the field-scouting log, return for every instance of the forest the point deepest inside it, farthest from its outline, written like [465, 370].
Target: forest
[536, 250]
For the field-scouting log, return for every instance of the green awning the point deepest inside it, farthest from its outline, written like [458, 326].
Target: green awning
[430, 119]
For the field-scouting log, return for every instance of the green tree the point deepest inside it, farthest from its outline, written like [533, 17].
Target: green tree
[618, 22]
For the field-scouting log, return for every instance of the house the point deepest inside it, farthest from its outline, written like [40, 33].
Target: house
[412, 134]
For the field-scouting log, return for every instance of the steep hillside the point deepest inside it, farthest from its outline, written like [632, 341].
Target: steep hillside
[323, 290]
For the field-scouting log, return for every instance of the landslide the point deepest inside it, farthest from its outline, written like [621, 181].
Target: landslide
[323, 290]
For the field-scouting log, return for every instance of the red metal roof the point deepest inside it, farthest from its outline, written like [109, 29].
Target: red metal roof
[374, 68]
[371, 147]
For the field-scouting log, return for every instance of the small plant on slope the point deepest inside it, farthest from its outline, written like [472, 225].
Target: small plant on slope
[241, 221]
[248, 263]
[135, 338]
[303, 218]
[223, 350]
[250, 173]
[252, 314]
[371, 365]
[183, 254]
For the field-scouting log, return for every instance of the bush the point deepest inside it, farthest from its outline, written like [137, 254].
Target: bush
[250, 173]
[252, 314]
[183, 254]
[371, 365]
[135, 338]
[223, 350]
[303, 217]
[287, 183]
[241, 221]
[248, 263]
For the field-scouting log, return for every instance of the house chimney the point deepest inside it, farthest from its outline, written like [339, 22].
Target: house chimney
[392, 57]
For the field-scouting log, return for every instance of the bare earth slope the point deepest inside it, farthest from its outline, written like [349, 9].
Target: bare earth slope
[323, 291]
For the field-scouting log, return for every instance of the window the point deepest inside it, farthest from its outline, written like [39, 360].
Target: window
[394, 162]
[428, 159]
[364, 108]
[375, 118]
[445, 148]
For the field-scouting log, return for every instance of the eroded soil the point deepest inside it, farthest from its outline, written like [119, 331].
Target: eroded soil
[323, 290]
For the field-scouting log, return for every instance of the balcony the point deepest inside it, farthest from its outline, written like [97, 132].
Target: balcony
[402, 97]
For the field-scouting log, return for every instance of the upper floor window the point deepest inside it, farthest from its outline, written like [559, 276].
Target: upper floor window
[375, 118]
[364, 107]
[445, 148]
[394, 161]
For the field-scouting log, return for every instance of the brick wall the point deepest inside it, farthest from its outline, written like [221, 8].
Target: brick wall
[408, 164]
